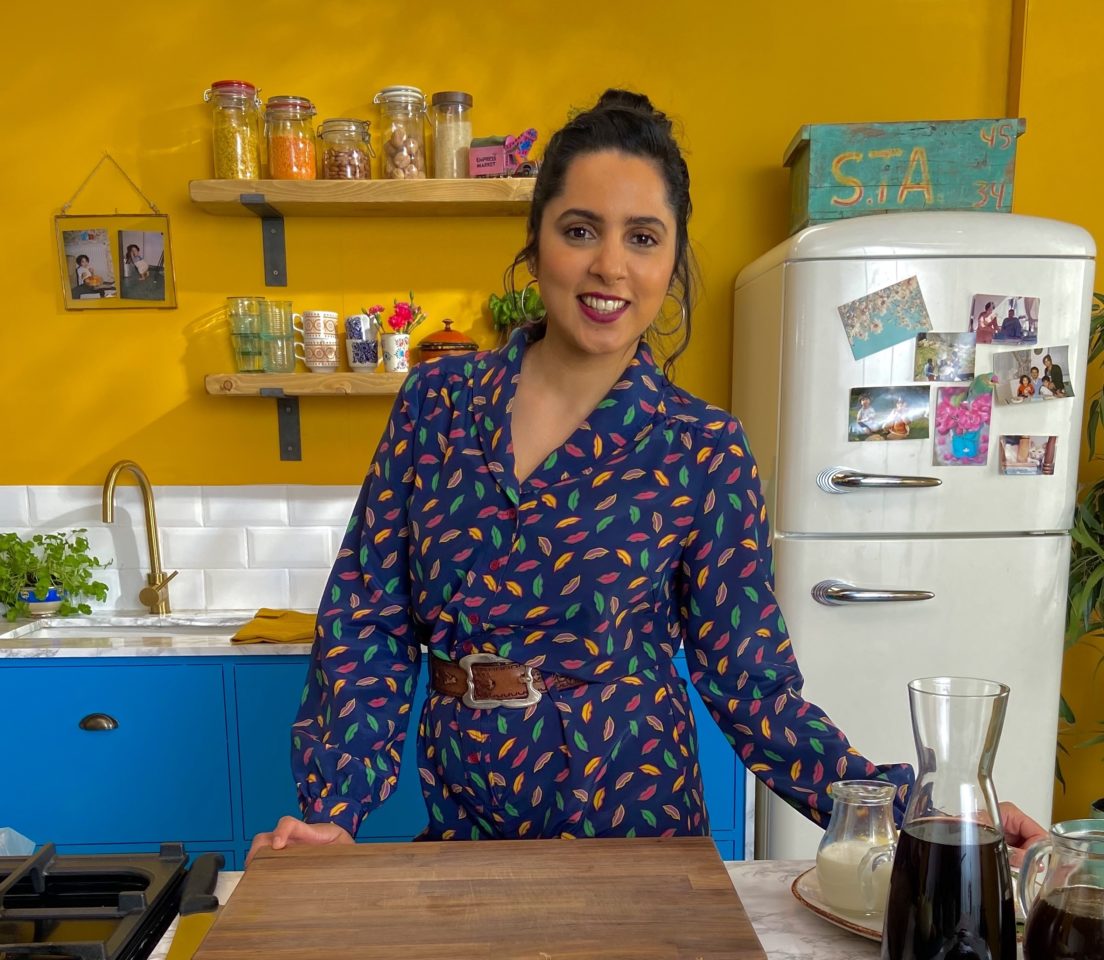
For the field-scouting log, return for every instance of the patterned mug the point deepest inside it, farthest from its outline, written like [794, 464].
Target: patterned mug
[395, 349]
[320, 357]
[363, 354]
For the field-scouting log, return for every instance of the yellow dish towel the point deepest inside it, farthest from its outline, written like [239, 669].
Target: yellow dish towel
[277, 626]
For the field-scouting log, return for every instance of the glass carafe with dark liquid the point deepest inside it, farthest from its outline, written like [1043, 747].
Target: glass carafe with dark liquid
[1065, 906]
[950, 893]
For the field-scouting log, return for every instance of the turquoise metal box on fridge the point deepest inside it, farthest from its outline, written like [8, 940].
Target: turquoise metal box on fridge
[840, 170]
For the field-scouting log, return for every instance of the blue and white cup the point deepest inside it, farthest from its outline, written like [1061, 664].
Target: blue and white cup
[363, 354]
[359, 327]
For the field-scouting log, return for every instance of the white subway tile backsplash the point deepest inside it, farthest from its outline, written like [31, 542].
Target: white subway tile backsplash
[203, 548]
[178, 506]
[246, 589]
[306, 588]
[245, 506]
[298, 547]
[54, 508]
[321, 506]
[239, 547]
[15, 507]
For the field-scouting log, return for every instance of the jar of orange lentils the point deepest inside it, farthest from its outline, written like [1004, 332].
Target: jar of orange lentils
[290, 138]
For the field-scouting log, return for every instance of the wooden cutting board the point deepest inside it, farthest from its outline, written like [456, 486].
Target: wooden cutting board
[487, 900]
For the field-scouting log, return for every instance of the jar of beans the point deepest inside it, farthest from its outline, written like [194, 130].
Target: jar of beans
[346, 150]
[402, 112]
[290, 138]
[235, 129]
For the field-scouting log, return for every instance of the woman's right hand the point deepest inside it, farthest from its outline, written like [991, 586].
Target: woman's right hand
[291, 832]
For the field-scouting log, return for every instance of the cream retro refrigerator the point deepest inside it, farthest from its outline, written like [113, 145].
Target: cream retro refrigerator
[887, 566]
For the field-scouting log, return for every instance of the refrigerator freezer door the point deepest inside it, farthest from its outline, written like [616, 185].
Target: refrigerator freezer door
[998, 612]
[818, 371]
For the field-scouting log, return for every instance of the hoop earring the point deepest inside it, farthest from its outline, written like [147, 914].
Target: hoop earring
[681, 320]
[525, 318]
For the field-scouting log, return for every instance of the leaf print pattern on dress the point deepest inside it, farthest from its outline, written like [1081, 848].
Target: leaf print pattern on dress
[644, 532]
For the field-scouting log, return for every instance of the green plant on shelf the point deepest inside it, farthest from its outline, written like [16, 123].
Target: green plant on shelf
[30, 568]
[514, 308]
[1085, 622]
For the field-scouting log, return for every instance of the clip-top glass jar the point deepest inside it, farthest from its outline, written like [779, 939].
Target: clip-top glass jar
[290, 138]
[452, 134]
[402, 110]
[235, 129]
[346, 150]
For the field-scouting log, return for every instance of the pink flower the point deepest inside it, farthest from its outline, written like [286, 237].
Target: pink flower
[405, 315]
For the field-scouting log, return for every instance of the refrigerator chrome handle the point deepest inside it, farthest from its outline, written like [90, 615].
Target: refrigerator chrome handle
[832, 593]
[842, 480]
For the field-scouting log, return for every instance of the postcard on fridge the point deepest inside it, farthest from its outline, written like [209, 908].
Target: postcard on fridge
[1023, 456]
[1002, 318]
[884, 318]
[944, 356]
[889, 413]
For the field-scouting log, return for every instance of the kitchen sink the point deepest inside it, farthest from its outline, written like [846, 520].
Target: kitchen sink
[142, 626]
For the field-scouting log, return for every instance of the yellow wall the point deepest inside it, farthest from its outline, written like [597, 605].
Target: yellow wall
[741, 77]
[1058, 175]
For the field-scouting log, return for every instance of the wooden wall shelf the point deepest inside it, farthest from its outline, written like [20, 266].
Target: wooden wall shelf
[500, 197]
[341, 384]
[287, 388]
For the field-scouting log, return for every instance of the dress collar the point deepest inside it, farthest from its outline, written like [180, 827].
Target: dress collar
[625, 416]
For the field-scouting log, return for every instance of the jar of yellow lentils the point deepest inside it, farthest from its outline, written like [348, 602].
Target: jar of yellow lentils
[290, 138]
[235, 129]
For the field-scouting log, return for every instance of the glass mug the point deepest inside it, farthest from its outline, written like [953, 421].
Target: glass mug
[1065, 910]
[855, 855]
[244, 314]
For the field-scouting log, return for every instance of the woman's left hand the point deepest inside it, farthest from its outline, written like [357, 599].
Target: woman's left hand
[1020, 831]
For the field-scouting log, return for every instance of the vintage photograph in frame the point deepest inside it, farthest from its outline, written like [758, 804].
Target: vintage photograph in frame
[115, 261]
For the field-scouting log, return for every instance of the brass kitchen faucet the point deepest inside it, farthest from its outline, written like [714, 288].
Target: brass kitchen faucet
[155, 596]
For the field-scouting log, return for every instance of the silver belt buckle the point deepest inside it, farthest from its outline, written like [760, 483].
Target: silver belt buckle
[470, 700]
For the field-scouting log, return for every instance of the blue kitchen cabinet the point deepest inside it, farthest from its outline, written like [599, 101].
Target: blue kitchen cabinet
[157, 769]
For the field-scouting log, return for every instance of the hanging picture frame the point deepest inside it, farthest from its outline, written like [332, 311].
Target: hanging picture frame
[113, 261]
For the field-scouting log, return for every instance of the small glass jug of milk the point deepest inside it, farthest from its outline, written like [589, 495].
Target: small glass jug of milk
[855, 856]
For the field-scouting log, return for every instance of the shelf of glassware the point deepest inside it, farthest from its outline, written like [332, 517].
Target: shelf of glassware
[491, 197]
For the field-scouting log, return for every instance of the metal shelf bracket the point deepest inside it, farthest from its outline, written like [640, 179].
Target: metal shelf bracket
[287, 422]
[272, 238]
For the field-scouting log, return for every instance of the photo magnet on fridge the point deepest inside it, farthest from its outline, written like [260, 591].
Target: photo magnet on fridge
[1023, 456]
[1002, 318]
[962, 416]
[889, 413]
[944, 356]
[1024, 376]
[884, 318]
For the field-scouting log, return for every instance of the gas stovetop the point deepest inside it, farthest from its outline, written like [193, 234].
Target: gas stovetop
[97, 907]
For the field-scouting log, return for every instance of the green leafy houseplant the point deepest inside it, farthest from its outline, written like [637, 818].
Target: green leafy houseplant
[1085, 624]
[514, 308]
[48, 560]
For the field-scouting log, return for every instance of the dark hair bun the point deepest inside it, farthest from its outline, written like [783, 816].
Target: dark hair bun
[616, 99]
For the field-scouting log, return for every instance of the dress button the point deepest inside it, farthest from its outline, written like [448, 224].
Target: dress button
[473, 618]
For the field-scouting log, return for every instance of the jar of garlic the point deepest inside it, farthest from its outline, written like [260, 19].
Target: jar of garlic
[402, 116]
[235, 129]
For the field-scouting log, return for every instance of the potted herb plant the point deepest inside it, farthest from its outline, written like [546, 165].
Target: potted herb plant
[514, 308]
[1086, 581]
[48, 573]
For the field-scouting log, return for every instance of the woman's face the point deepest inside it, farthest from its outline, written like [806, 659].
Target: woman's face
[606, 254]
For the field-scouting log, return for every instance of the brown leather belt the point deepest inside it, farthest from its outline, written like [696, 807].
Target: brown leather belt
[484, 681]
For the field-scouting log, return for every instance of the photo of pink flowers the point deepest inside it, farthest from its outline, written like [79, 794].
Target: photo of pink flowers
[962, 416]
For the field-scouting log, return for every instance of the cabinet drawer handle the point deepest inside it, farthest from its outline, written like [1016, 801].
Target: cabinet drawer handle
[98, 721]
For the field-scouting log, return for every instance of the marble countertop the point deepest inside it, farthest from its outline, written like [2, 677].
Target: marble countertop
[186, 633]
[786, 929]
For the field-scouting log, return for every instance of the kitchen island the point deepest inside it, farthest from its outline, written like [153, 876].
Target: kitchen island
[785, 928]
